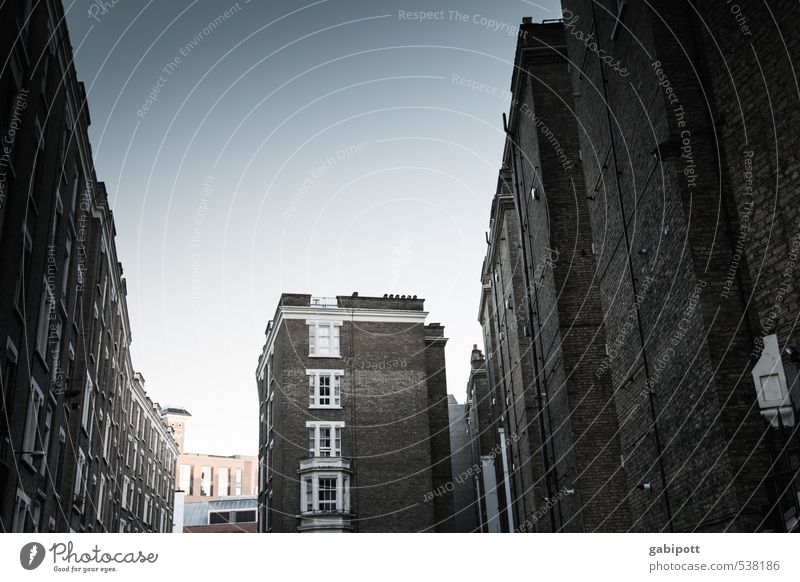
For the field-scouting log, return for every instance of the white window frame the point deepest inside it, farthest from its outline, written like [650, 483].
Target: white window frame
[125, 483]
[312, 496]
[188, 481]
[334, 347]
[223, 482]
[206, 481]
[314, 448]
[107, 437]
[46, 437]
[101, 492]
[146, 509]
[79, 479]
[43, 323]
[334, 398]
[88, 388]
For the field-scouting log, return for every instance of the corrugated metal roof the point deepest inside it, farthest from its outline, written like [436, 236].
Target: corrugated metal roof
[196, 512]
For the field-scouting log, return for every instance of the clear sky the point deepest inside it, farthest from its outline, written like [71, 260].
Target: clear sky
[257, 147]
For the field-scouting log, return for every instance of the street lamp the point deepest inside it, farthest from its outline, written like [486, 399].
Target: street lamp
[774, 395]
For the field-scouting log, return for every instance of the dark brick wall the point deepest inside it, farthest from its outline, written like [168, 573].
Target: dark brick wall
[582, 425]
[662, 230]
[49, 188]
[544, 302]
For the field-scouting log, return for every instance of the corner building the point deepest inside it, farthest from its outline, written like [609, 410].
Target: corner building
[354, 427]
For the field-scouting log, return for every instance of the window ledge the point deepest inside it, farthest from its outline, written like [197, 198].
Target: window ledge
[319, 407]
[324, 464]
[330, 357]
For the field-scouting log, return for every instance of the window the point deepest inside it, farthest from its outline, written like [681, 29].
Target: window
[325, 388]
[101, 492]
[9, 374]
[217, 517]
[186, 479]
[24, 267]
[87, 400]
[65, 268]
[37, 516]
[309, 495]
[325, 439]
[80, 479]
[42, 324]
[205, 481]
[238, 481]
[48, 424]
[107, 437]
[325, 493]
[21, 509]
[32, 422]
[131, 448]
[147, 510]
[323, 339]
[223, 482]
[125, 484]
[62, 450]
[241, 516]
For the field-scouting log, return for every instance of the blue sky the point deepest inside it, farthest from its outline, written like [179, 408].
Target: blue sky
[255, 148]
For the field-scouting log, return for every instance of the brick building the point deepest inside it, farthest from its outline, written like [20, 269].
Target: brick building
[645, 204]
[354, 429]
[692, 242]
[482, 415]
[549, 417]
[464, 471]
[202, 477]
[83, 447]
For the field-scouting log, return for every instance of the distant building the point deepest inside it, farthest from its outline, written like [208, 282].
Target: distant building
[481, 412]
[354, 417]
[464, 507]
[201, 476]
[224, 515]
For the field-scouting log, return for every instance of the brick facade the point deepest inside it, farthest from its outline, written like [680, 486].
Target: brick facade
[543, 326]
[395, 447]
[104, 460]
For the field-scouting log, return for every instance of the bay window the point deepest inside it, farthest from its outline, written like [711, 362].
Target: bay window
[325, 493]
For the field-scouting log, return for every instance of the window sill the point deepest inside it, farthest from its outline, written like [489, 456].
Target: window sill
[317, 407]
[330, 357]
